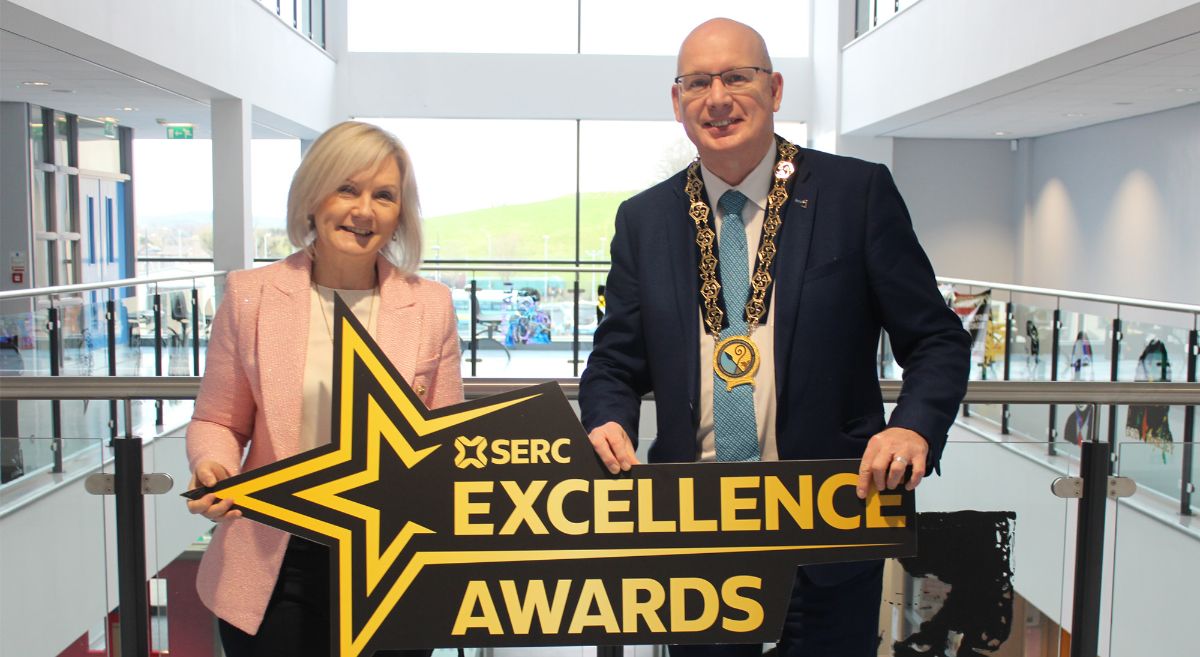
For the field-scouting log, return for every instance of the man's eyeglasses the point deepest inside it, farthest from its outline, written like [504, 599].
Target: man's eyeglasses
[735, 79]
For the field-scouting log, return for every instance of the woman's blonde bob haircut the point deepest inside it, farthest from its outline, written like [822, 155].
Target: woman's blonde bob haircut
[344, 151]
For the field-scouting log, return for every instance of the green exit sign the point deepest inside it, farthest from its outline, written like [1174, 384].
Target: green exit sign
[179, 131]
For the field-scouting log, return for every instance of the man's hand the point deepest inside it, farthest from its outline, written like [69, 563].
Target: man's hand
[208, 473]
[888, 453]
[613, 446]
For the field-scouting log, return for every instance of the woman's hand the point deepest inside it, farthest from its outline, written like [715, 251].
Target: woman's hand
[208, 473]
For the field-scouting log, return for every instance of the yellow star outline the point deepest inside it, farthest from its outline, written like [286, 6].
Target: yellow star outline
[379, 427]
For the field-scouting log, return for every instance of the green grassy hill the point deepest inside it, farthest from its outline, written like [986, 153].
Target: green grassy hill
[516, 231]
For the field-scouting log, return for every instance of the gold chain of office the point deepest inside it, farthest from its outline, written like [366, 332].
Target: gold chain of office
[760, 283]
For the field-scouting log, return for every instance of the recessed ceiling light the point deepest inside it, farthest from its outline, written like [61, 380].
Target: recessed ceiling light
[1074, 115]
[128, 109]
[36, 83]
[174, 124]
[63, 91]
[1000, 133]
[1184, 90]
[1123, 102]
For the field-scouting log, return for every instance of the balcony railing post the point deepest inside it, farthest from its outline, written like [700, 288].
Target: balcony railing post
[55, 334]
[1189, 429]
[110, 321]
[1094, 463]
[195, 330]
[158, 354]
[131, 542]
[1056, 331]
[1112, 409]
[575, 330]
[474, 326]
[1008, 329]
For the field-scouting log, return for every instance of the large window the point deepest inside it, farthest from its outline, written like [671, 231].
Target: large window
[636, 27]
[174, 200]
[622, 27]
[477, 26]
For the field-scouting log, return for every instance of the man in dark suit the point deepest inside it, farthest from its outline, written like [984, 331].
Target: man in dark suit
[755, 319]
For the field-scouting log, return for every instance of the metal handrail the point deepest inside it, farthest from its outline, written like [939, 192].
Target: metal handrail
[86, 287]
[602, 267]
[1084, 296]
[978, 392]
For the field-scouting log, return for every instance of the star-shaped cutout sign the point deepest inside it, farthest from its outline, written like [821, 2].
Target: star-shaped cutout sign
[492, 522]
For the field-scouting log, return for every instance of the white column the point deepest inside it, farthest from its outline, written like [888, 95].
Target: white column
[832, 29]
[233, 224]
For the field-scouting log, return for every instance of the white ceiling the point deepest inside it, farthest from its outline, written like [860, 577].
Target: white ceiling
[88, 89]
[1148, 80]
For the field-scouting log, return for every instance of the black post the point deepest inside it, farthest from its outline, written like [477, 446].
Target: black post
[195, 331]
[575, 331]
[474, 327]
[1008, 329]
[1112, 409]
[1056, 330]
[131, 547]
[610, 651]
[52, 327]
[1189, 429]
[110, 319]
[1094, 463]
[158, 354]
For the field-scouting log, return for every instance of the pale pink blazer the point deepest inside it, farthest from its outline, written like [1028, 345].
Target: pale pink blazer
[249, 402]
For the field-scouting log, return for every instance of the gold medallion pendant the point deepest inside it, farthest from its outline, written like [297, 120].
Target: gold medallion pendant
[735, 360]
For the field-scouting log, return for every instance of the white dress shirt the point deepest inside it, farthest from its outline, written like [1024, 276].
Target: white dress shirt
[756, 187]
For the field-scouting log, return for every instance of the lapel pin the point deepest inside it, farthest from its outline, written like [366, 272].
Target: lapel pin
[804, 203]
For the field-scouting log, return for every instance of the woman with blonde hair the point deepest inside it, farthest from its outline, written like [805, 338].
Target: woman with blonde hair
[354, 215]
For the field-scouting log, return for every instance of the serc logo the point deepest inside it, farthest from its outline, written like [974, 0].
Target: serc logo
[477, 452]
[477, 447]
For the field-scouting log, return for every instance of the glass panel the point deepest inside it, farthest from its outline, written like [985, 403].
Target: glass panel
[515, 325]
[1149, 438]
[318, 22]
[66, 206]
[37, 134]
[175, 542]
[954, 597]
[1083, 355]
[1154, 548]
[629, 27]
[99, 148]
[1032, 350]
[463, 26]
[60, 568]
[135, 331]
[176, 300]
[62, 134]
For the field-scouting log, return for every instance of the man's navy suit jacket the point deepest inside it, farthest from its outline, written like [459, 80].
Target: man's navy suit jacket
[848, 264]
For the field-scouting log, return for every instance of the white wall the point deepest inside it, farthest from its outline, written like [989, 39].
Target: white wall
[1115, 209]
[204, 50]
[942, 55]
[504, 86]
[960, 195]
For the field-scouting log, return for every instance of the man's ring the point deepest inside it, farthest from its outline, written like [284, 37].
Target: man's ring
[900, 459]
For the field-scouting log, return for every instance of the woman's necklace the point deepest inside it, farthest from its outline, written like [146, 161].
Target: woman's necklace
[325, 313]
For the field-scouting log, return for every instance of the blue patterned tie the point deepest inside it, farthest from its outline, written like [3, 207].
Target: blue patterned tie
[733, 410]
